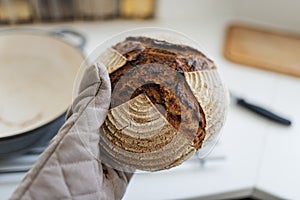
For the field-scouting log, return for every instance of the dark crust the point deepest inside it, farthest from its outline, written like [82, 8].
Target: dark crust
[156, 69]
[189, 58]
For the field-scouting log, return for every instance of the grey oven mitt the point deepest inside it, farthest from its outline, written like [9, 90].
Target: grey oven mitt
[71, 168]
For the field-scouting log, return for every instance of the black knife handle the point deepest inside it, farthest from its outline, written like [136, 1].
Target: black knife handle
[263, 112]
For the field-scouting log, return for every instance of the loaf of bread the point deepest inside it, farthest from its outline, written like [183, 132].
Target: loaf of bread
[167, 101]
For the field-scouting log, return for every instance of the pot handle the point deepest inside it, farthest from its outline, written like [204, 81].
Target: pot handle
[65, 33]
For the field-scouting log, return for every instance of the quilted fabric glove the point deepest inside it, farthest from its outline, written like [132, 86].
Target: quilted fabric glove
[71, 167]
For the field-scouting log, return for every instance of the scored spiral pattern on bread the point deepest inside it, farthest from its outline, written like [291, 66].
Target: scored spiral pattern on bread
[133, 118]
[167, 100]
[142, 152]
[212, 95]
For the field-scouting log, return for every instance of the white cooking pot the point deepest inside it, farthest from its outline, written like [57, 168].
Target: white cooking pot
[37, 70]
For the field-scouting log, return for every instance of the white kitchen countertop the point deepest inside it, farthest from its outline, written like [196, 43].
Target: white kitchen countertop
[261, 157]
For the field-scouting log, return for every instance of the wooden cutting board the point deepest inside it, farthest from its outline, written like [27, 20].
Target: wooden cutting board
[269, 50]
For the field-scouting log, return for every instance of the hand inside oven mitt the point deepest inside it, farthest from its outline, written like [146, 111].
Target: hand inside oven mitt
[71, 167]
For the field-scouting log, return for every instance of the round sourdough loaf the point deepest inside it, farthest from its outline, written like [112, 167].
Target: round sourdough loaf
[167, 102]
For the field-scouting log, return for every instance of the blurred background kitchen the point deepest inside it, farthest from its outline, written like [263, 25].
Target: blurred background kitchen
[29, 11]
[256, 46]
